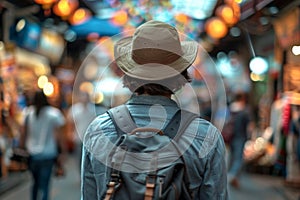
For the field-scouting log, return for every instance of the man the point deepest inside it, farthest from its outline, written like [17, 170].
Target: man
[155, 64]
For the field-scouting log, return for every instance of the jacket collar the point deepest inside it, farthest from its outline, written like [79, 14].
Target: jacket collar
[150, 100]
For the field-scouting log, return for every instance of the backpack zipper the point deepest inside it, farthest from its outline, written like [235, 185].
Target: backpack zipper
[161, 182]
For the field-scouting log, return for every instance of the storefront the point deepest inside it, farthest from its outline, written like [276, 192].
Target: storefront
[20, 70]
[287, 29]
[275, 147]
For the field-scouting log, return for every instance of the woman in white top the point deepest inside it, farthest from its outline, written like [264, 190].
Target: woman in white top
[43, 140]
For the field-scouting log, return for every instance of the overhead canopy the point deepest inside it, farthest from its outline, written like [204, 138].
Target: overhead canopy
[95, 25]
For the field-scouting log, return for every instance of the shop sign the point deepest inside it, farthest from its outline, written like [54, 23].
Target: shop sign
[291, 79]
[287, 29]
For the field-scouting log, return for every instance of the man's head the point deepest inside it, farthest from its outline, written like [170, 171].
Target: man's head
[155, 54]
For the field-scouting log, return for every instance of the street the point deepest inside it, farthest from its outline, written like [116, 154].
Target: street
[252, 186]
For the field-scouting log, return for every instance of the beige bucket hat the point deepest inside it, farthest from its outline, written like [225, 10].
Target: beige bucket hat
[154, 52]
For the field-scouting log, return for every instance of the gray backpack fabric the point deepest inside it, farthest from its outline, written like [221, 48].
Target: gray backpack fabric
[146, 163]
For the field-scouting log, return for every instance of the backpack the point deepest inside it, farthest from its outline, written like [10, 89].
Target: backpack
[146, 162]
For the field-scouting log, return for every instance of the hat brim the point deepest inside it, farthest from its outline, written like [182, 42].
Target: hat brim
[153, 71]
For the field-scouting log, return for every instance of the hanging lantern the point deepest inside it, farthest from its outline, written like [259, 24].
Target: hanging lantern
[225, 12]
[65, 8]
[46, 4]
[216, 28]
[120, 18]
[79, 16]
[235, 8]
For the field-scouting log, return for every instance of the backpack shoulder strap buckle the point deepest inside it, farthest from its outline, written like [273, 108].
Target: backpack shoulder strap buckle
[122, 119]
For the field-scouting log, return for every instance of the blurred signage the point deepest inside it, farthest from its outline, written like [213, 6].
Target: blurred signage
[51, 45]
[291, 78]
[102, 27]
[287, 28]
[42, 41]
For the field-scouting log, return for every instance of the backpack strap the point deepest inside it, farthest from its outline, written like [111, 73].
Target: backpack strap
[175, 128]
[122, 119]
[179, 122]
[115, 176]
[151, 179]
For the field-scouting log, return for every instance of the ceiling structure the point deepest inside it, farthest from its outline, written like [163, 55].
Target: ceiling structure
[102, 11]
[105, 9]
[256, 20]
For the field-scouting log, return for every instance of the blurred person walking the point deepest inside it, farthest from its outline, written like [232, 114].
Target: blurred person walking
[293, 149]
[43, 139]
[241, 123]
[155, 64]
[79, 116]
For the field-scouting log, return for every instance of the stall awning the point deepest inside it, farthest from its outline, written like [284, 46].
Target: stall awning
[95, 25]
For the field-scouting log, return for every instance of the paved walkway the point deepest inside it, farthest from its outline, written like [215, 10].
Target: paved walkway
[262, 187]
[65, 188]
[252, 187]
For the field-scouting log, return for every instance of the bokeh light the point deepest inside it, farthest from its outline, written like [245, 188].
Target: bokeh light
[42, 81]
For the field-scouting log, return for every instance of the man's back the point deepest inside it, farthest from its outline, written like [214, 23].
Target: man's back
[201, 142]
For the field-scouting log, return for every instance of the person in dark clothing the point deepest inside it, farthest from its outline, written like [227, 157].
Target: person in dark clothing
[241, 120]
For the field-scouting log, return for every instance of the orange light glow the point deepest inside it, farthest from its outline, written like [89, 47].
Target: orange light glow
[80, 16]
[42, 2]
[216, 28]
[120, 18]
[236, 10]
[45, 3]
[182, 18]
[235, 7]
[225, 12]
[65, 8]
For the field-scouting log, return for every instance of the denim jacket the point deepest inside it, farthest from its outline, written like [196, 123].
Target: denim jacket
[203, 145]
